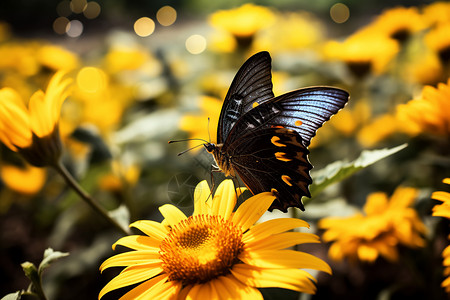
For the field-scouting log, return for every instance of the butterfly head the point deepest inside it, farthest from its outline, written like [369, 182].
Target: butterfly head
[210, 147]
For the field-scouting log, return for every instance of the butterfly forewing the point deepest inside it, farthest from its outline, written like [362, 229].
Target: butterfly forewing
[306, 110]
[252, 83]
[273, 159]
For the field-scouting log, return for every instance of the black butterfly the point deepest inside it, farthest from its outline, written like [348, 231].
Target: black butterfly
[264, 139]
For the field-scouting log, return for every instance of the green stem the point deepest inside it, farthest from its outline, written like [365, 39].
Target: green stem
[86, 197]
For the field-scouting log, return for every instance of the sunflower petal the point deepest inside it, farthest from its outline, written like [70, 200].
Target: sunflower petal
[128, 277]
[252, 209]
[224, 199]
[235, 290]
[293, 279]
[167, 290]
[131, 258]
[151, 228]
[172, 214]
[284, 259]
[282, 241]
[145, 286]
[201, 195]
[138, 242]
[268, 228]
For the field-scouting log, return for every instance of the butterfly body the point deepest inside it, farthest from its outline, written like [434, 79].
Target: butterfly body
[264, 139]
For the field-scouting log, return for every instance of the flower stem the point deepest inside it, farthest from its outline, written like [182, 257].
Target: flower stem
[86, 197]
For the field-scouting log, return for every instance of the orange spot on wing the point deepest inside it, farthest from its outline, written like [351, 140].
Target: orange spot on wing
[280, 156]
[286, 179]
[274, 140]
[298, 123]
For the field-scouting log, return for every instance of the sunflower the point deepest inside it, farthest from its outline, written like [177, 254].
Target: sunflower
[438, 39]
[215, 253]
[363, 52]
[398, 23]
[34, 132]
[428, 113]
[443, 210]
[385, 224]
[243, 23]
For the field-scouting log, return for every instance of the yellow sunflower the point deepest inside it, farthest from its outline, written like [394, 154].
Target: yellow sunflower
[34, 132]
[438, 39]
[428, 113]
[363, 52]
[385, 224]
[215, 253]
[443, 210]
[398, 23]
[243, 22]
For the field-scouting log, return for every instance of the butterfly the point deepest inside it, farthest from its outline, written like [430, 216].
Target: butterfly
[264, 139]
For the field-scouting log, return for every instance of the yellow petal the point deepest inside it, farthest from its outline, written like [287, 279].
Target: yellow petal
[231, 288]
[252, 209]
[201, 195]
[28, 180]
[40, 118]
[224, 199]
[293, 279]
[151, 228]
[172, 215]
[132, 258]
[167, 290]
[284, 259]
[138, 242]
[282, 241]
[274, 226]
[130, 276]
[143, 287]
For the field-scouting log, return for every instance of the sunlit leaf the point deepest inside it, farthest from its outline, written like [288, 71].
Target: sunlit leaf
[339, 170]
[12, 296]
[50, 256]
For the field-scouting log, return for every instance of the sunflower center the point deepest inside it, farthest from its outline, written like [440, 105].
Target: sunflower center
[201, 248]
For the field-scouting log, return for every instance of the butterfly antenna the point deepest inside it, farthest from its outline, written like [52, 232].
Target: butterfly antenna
[209, 135]
[183, 152]
[184, 140]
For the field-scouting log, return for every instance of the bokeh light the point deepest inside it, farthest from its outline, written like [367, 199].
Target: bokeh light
[78, 6]
[91, 80]
[166, 15]
[339, 13]
[144, 26]
[92, 10]
[196, 44]
[60, 25]
[74, 28]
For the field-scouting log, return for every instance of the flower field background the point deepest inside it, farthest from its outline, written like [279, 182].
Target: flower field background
[140, 73]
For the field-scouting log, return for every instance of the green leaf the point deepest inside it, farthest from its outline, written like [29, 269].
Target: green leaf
[12, 296]
[340, 170]
[49, 257]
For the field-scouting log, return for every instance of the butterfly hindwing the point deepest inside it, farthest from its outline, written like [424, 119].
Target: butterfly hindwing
[273, 159]
[252, 83]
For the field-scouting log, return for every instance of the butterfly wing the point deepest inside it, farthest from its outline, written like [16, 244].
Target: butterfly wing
[273, 159]
[252, 83]
[304, 110]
